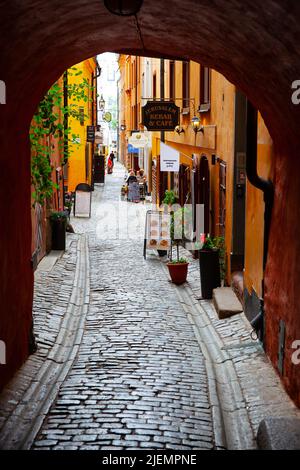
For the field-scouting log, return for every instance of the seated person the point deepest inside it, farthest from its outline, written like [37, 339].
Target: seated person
[141, 176]
[131, 178]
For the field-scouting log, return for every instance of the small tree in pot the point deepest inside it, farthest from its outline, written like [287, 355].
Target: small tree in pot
[178, 268]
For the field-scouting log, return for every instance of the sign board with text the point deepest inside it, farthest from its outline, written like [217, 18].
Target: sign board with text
[169, 158]
[90, 131]
[160, 115]
[138, 140]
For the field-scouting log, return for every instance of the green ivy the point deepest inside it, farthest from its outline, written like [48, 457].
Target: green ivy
[47, 123]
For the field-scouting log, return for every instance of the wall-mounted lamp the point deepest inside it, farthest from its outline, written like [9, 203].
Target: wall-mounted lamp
[214, 159]
[179, 129]
[123, 7]
[101, 103]
[196, 125]
[123, 127]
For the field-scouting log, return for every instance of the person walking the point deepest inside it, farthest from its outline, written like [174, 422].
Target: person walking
[110, 165]
[112, 158]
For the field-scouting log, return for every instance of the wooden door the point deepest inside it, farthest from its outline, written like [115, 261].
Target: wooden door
[99, 168]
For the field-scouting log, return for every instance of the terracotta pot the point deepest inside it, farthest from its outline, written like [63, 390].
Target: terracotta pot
[178, 272]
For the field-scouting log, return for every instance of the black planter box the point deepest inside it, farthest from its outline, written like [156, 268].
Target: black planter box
[209, 272]
[58, 234]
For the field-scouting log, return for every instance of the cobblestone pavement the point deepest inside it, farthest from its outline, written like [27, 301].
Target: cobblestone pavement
[126, 360]
[139, 380]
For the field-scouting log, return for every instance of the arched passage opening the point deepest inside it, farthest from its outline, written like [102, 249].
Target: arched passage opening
[252, 45]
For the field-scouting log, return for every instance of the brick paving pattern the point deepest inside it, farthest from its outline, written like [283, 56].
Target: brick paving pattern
[139, 381]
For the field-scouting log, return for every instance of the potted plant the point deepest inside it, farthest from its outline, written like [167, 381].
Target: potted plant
[59, 223]
[209, 266]
[169, 198]
[178, 268]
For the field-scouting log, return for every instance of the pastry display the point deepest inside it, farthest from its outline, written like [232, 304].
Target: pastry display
[154, 223]
[153, 233]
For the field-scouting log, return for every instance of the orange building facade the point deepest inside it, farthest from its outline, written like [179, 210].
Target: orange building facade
[212, 162]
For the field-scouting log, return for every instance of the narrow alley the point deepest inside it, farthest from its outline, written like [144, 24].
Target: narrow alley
[126, 360]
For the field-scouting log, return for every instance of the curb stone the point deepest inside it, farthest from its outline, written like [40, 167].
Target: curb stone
[18, 432]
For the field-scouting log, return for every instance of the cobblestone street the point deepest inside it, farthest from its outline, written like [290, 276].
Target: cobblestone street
[139, 380]
[126, 360]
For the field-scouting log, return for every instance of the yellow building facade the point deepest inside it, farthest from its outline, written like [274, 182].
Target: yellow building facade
[80, 162]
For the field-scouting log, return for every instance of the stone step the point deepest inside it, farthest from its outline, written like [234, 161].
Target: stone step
[226, 302]
[279, 434]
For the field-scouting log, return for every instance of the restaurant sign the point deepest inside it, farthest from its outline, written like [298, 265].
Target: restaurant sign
[160, 115]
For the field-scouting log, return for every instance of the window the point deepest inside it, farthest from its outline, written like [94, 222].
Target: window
[172, 80]
[186, 87]
[205, 84]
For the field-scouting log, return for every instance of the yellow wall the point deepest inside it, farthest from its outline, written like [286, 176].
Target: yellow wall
[77, 161]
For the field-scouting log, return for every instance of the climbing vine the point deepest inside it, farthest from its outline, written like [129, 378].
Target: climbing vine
[48, 125]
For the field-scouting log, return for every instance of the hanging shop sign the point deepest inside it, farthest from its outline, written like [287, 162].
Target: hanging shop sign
[138, 140]
[90, 131]
[169, 158]
[107, 116]
[160, 115]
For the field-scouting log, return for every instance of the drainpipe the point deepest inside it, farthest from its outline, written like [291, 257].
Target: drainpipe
[266, 186]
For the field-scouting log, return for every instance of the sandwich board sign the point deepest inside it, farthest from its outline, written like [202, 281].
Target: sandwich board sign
[82, 205]
[157, 231]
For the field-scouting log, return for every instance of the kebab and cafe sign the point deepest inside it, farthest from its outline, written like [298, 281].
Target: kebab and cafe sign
[160, 115]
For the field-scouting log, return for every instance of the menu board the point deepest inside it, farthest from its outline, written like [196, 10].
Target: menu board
[158, 231]
[82, 204]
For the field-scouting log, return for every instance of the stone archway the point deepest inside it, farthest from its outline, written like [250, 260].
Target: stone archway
[253, 44]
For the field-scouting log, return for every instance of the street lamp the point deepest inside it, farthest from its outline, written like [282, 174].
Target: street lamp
[196, 125]
[123, 7]
[101, 103]
[123, 127]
